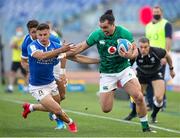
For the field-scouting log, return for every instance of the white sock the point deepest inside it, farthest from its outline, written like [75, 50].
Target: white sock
[54, 117]
[156, 103]
[144, 119]
[70, 121]
[31, 107]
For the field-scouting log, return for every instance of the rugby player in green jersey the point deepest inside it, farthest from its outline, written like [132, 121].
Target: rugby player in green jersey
[113, 67]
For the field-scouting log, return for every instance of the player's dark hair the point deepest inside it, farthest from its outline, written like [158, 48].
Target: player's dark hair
[32, 24]
[108, 15]
[158, 7]
[144, 40]
[43, 26]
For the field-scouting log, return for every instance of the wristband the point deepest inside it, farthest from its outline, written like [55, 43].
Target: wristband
[62, 71]
[62, 55]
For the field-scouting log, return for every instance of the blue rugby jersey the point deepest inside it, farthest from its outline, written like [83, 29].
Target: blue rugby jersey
[41, 71]
[28, 40]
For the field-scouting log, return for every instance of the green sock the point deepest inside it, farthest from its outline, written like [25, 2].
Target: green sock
[144, 124]
[144, 121]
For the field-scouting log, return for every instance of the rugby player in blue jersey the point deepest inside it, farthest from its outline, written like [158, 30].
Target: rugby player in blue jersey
[32, 26]
[42, 57]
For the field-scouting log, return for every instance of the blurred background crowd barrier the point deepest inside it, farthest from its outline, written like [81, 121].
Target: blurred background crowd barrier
[75, 19]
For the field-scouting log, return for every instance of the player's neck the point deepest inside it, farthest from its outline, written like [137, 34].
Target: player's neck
[44, 44]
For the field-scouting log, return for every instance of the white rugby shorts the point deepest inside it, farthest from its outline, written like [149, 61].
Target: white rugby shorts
[56, 71]
[39, 92]
[108, 81]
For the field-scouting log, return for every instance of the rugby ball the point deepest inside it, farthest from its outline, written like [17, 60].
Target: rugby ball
[123, 44]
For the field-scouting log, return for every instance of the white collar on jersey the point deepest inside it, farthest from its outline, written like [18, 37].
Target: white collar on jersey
[42, 44]
[31, 38]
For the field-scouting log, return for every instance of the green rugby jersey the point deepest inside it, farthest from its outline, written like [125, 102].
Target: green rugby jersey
[110, 62]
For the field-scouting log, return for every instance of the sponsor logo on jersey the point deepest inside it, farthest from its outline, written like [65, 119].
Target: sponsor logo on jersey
[102, 42]
[112, 50]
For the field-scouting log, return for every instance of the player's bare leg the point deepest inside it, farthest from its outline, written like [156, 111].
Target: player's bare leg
[106, 101]
[61, 88]
[133, 113]
[133, 88]
[52, 106]
[159, 91]
[36, 107]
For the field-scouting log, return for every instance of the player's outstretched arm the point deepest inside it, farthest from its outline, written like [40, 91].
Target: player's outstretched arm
[84, 59]
[50, 54]
[78, 48]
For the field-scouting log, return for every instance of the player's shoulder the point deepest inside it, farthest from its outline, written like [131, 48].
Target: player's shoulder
[27, 38]
[122, 28]
[157, 49]
[54, 38]
[55, 44]
[96, 33]
[35, 42]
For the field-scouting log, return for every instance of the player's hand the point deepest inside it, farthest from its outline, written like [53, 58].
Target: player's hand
[65, 47]
[127, 54]
[172, 73]
[163, 61]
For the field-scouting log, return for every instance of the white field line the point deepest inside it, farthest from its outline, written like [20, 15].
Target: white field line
[102, 117]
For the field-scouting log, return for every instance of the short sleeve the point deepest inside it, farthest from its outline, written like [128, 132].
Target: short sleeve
[160, 52]
[31, 49]
[92, 38]
[168, 30]
[24, 50]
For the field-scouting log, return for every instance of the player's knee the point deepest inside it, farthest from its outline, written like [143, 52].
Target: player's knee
[138, 98]
[106, 110]
[159, 99]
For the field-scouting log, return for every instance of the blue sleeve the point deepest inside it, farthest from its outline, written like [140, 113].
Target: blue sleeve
[54, 38]
[26, 42]
[31, 49]
[168, 30]
[24, 49]
[56, 45]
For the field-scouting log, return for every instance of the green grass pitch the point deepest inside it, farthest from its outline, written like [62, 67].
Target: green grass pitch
[84, 108]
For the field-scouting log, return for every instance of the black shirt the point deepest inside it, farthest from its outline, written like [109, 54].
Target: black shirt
[150, 64]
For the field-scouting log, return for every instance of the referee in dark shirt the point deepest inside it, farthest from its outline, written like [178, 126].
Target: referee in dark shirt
[159, 32]
[149, 70]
